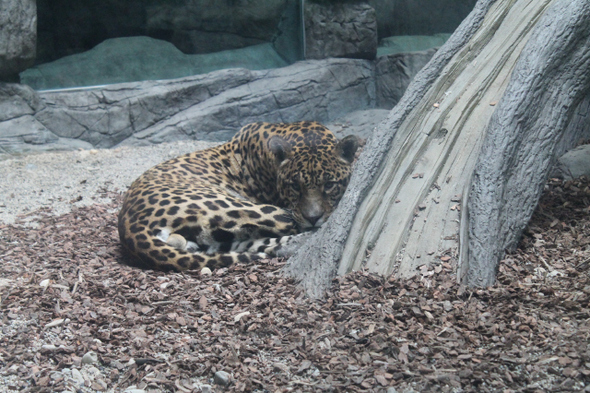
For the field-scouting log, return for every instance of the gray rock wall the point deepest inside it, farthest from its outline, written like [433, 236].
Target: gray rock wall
[194, 26]
[208, 107]
[130, 59]
[203, 26]
[340, 30]
[395, 72]
[18, 37]
[419, 17]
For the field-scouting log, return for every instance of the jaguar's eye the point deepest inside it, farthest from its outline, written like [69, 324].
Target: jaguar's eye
[330, 185]
[295, 186]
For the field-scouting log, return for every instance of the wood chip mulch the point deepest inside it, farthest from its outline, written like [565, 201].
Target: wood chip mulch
[64, 293]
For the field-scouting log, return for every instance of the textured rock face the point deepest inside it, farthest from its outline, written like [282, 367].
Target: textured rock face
[209, 107]
[419, 17]
[137, 58]
[204, 26]
[18, 37]
[340, 30]
[393, 74]
[20, 131]
[194, 26]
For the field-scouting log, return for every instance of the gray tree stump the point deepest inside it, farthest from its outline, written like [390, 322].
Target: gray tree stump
[465, 134]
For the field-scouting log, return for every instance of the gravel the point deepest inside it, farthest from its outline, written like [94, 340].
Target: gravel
[62, 180]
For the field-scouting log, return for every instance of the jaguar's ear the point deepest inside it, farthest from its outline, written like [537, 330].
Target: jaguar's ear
[280, 148]
[347, 147]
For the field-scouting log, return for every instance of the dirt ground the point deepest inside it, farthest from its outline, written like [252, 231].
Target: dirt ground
[74, 318]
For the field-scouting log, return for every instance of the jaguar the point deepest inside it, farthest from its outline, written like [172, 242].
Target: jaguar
[237, 202]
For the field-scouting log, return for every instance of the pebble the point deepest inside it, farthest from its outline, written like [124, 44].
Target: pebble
[206, 271]
[77, 376]
[206, 389]
[90, 358]
[221, 378]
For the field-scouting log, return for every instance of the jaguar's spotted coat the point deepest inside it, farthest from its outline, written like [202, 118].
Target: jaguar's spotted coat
[238, 201]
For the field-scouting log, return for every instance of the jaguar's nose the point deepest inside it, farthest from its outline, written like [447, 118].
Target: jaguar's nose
[313, 219]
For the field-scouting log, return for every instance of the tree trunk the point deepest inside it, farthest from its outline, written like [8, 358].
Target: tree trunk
[403, 208]
[526, 134]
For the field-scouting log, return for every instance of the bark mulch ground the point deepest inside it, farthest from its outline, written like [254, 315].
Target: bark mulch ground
[75, 319]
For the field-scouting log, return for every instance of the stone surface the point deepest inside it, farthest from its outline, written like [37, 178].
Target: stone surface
[200, 26]
[194, 26]
[209, 107]
[340, 30]
[410, 43]
[393, 74]
[20, 131]
[18, 37]
[222, 378]
[139, 58]
[18, 100]
[573, 164]
[288, 41]
[203, 26]
[419, 17]
[90, 358]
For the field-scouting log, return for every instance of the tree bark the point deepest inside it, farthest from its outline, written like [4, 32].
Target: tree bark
[403, 205]
[526, 134]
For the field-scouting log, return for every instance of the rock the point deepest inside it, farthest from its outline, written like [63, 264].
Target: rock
[27, 134]
[222, 378]
[573, 164]
[141, 58]
[206, 271]
[288, 41]
[335, 29]
[393, 74]
[197, 27]
[90, 358]
[77, 377]
[18, 100]
[206, 389]
[18, 37]
[419, 17]
[410, 43]
[48, 348]
[209, 107]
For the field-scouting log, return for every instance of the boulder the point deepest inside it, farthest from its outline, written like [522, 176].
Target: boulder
[18, 37]
[129, 59]
[393, 74]
[316, 90]
[194, 26]
[337, 29]
[410, 43]
[419, 17]
[198, 26]
[209, 107]
[18, 100]
[573, 164]
[20, 131]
